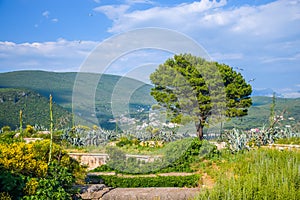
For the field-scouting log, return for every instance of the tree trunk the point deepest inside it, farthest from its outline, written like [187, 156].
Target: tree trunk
[200, 131]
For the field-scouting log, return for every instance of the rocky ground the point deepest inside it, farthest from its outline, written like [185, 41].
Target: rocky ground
[101, 192]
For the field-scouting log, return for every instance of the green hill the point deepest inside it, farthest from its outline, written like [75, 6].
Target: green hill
[259, 113]
[35, 109]
[60, 85]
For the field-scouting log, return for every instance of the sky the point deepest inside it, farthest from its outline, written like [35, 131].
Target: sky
[258, 38]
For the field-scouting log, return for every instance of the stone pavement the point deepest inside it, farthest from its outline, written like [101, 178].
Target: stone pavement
[100, 192]
[151, 194]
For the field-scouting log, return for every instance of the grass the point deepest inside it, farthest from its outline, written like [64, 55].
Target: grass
[257, 174]
[293, 140]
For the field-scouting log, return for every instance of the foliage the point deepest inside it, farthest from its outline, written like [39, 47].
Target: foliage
[11, 184]
[126, 141]
[54, 185]
[103, 168]
[176, 156]
[157, 181]
[5, 129]
[8, 137]
[196, 152]
[191, 86]
[25, 166]
[259, 174]
[34, 109]
[5, 196]
[24, 159]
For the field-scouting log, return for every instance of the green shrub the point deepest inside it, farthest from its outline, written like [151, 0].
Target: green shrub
[176, 156]
[103, 168]
[5, 129]
[11, 184]
[56, 185]
[124, 141]
[157, 181]
[195, 151]
[5, 196]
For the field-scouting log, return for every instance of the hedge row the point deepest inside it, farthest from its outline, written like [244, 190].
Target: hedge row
[157, 181]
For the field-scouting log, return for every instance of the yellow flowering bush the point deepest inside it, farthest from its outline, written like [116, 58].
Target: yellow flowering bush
[31, 186]
[32, 159]
[22, 158]
[28, 164]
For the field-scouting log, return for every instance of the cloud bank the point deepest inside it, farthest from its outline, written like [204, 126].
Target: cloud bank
[61, 55]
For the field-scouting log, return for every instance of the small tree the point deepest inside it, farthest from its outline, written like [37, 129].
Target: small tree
[189, 86]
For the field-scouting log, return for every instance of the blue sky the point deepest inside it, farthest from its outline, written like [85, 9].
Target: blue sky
[260, 36]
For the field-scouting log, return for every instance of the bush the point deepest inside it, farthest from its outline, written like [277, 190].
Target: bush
[196, 151]
[124, 141]
[176, 156]
[8, 137]
[11, 184]
[5, 129]
[56, 184]
[25, 169]
[158, 181]
[103, 168]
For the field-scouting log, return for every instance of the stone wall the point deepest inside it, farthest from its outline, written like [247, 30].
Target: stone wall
[93, 160]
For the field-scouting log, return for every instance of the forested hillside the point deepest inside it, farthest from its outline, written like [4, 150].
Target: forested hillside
[35, 109]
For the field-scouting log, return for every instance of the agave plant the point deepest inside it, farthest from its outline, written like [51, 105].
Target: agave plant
[237, 140]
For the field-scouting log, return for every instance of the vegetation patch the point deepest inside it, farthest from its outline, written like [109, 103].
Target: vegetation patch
[157, 181]
[258, 174]
[292, 140]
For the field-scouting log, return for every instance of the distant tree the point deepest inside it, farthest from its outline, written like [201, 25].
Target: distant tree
[190, 86]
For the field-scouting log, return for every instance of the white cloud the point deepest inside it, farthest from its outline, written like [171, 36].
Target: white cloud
[113, 12]
[53, 56]
[167, 17]
[289, 92]
[254, 21]
[276, 59]
[54, 20]
[139, 2]
[46, 14]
